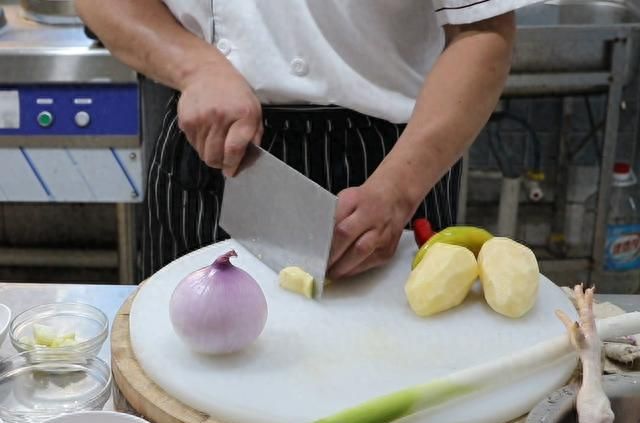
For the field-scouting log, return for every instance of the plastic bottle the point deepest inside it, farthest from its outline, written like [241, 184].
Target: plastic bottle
[621, 261]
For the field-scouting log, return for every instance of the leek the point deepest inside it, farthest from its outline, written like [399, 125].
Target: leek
[499, 372]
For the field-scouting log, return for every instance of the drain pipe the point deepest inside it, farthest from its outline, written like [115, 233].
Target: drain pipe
[512, 169]
[534, 190]
[508, 209]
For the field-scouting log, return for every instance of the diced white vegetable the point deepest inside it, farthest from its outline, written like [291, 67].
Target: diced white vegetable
[44, 335]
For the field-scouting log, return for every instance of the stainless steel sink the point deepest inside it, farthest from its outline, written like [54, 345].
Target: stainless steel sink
[622, 390]
[577, 36]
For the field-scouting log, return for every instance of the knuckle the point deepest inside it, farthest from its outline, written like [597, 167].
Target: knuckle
[249, 110]
[342, 230]
[212, 114]
[185, 123]
[349, 196]
[234, 149]
[364, 246]
[212, 161]
[246, 111]
[245, 134]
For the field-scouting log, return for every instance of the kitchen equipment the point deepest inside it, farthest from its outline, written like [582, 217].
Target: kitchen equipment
[89, 324]
[96, 417]
[69, 124]
[35, 386]
[51, 12]
[69, 115]
[566, 45]
[281, 216]
[623, 391]
[317, 358]
[5, 320]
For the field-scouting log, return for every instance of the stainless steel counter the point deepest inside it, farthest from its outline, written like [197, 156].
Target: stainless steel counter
[54, 54]
[20, 297]
[107, 298]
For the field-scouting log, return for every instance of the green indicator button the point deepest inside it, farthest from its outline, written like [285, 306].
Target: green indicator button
[45, 119]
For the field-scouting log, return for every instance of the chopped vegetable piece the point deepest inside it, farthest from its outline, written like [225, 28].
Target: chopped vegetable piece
[68, 343]
[296, 280]
[69, 336]
[44, 335]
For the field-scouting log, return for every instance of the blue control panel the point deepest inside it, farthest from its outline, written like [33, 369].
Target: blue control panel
[73, 110]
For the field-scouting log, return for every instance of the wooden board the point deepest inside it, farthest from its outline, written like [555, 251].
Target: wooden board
[152, 402]
[141, 394]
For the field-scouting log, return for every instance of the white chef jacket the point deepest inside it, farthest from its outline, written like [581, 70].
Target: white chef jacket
[367, 55]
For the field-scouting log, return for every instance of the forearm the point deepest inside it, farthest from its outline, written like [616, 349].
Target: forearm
[456, 101]
[144, 35]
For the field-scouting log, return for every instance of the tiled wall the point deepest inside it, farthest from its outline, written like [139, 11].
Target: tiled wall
[545, 115]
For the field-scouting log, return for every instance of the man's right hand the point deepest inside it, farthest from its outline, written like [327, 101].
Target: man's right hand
[220, 115]
[218, 111]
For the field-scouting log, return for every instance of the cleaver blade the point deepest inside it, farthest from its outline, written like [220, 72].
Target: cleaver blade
[279, 215]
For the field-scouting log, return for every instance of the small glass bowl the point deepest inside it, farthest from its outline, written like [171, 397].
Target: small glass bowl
[90, 325]
[40, 384]
[5, 320]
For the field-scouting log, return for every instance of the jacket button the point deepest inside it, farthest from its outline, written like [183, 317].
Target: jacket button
[299, 67]
[224, 46]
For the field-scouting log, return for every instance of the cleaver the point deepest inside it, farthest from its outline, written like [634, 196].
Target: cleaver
[279, 215]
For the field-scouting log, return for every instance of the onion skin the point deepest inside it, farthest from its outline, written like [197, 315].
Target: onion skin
[219, 309]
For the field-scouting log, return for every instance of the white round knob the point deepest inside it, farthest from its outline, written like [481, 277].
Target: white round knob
[82, 119]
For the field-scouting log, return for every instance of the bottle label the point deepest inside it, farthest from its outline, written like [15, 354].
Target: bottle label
[623, 248]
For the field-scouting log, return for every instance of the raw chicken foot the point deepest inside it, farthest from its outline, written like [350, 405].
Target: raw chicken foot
[593, 406]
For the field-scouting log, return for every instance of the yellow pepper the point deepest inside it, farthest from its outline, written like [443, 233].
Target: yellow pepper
[470, 237]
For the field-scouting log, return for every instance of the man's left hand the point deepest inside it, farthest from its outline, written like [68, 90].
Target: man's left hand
[369, 222]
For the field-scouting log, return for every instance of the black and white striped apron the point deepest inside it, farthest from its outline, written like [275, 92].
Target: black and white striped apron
[335, 147]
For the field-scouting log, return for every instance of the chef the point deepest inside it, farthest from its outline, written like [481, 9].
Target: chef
[376, 100]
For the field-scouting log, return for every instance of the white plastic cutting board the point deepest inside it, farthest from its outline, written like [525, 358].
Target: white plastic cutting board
[361, 341]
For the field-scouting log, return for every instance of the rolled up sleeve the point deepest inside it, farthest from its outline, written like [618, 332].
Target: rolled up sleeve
[458, 12]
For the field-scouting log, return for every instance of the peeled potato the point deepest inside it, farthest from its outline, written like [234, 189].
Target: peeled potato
[442, 279]
[510, 276]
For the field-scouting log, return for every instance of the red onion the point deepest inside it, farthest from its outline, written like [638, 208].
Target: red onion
[218, 309]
